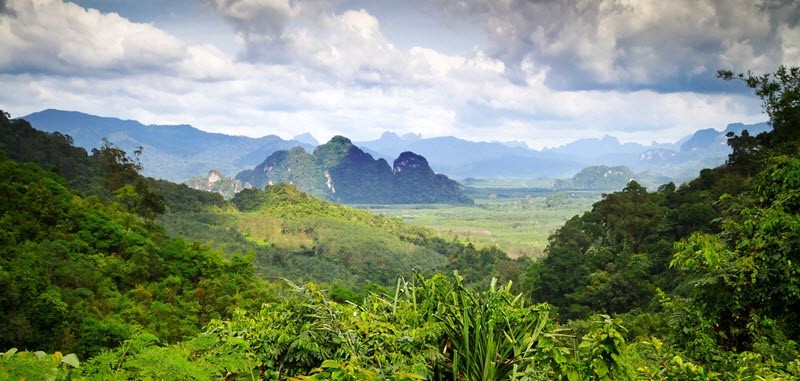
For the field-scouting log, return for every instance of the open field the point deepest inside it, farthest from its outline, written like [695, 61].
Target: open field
[517, 221]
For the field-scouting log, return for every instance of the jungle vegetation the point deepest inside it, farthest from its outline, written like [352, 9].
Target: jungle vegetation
[141, 279]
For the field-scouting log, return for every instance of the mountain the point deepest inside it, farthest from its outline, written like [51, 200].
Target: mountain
[596, 149]
[711, 141]
[705, 148]
[514, 144]
[702, 139]
[598, 177]
[678, 162]
[174, 153]
[66, 251]
[388, 145]
[180, 152]
[462, 158]
[216, 182]
[415, 182]
[466, 159]
[658, 155]
[341, 171]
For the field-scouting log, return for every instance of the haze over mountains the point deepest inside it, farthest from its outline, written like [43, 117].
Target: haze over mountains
[191, 152]
[460, 158]
[171, 152]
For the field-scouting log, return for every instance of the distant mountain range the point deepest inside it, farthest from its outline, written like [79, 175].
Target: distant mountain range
[342, 172]
[462, 158]
[180, 152]
[459, 158]
[171, 152]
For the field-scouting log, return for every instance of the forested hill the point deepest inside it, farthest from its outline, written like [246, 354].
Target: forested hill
[80, 272]
[342, 172]
[712, 265]
[94, 254]
[699, 281]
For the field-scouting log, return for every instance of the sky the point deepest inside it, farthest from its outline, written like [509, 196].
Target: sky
[543, 72]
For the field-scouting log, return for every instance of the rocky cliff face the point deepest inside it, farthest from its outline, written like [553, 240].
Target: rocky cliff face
[598, 177]
[342, 172]
[216, 182]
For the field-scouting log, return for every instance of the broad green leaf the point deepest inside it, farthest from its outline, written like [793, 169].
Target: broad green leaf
[72, 360]
[9, 353]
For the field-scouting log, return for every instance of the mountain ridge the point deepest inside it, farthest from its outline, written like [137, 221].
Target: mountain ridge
[191, 152]
[340, 171]
[188, 151]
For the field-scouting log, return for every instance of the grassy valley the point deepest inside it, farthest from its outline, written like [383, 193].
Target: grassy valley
[516, 220]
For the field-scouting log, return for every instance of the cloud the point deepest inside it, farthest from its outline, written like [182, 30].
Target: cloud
[59, 37]
[50, 36]
[347, 46]
[4, 8]
[660, 45]
[262, 26]
[312, 67]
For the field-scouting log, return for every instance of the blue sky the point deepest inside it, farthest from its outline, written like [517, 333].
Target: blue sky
[544, 72]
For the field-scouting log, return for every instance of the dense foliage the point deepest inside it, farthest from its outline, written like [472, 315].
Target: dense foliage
[426, 329]
[81, 275]
[711, 265]
[693, 282]
[85, 268]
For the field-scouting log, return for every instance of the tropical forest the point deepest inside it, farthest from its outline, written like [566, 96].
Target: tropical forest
[107, 274]
[504, 190]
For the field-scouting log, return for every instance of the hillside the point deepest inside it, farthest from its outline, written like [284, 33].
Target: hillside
[80, 274]
[122, 254]
[705, 264]
[174, 153]
[216, 182]
[294, 235]
[691, 282]
[340, 171]
[598, 177]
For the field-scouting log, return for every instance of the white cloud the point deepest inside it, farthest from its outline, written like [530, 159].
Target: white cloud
[51, 36]
[790, 46]
[348, 45]
[307, 67]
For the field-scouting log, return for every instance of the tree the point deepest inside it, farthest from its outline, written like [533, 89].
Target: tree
[118, 167]
[122, 178]
[780, 95]
[745, 153]
[747, 278]
[557, 199]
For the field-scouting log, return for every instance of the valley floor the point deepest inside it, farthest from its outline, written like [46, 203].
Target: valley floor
[517, 220]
